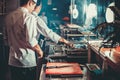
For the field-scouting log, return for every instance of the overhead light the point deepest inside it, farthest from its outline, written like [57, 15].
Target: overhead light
[91, 11]
[109, 13]
[75, 12]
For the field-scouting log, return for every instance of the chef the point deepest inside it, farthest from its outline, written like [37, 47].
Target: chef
[22, 28]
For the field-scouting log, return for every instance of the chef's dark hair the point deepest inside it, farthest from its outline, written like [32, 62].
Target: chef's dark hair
[39, 2]
[23, 2]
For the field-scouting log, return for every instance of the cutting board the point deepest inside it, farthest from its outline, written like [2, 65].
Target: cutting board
[60, 68]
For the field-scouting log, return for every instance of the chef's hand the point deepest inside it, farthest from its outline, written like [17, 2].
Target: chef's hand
[66, 42]
[38, 50]
[40, 54]
[70, 44]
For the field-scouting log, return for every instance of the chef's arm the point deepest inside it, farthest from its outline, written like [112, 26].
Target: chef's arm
[43, 29]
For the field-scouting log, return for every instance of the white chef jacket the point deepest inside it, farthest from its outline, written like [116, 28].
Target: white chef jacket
[44, 18]
[22, 30]
[43, 29]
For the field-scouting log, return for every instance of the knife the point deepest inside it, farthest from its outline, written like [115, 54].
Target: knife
[51, 67]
